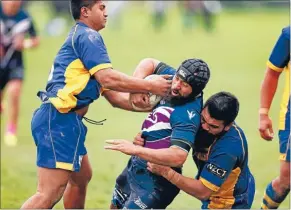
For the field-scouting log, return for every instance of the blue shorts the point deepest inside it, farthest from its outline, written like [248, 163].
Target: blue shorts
[59, 138]
[284, 139]
[137, 188]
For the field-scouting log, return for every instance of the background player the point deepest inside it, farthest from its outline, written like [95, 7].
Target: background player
[279, 61]
[169, 132]
[15, 24]
[80, 72]
[220, 152]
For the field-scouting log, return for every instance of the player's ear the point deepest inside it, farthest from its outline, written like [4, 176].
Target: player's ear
[84, 12]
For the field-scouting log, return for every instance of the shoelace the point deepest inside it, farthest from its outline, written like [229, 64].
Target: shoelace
[94, 122]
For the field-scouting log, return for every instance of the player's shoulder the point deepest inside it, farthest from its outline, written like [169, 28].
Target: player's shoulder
[286, 32]
[232, 142]
[85, 33]
[189, 112]
[22, 14]
[195, 105]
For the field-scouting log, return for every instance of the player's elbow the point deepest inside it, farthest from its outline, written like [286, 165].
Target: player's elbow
[179, 158]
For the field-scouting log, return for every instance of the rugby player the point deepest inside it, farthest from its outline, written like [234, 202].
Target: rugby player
[169, 132]
[15, 24]
[79, 74]
[279, 61]
[224, 180]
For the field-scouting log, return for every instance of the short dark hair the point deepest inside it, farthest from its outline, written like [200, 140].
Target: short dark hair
[223, 106]
[76, 5]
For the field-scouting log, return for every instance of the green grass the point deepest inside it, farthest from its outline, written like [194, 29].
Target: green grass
[236, 52]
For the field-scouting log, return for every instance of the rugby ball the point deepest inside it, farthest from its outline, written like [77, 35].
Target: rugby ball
[154, 99]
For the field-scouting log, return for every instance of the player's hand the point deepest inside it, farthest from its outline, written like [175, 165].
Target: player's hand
[266, 128]
[138, 140]
[123, 146]
[140, 100]
[158, 169]
[160, 85]
[18, 42]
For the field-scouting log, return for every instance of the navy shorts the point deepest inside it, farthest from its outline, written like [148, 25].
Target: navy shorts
[10, 74]
[138, 188]
[59, 138]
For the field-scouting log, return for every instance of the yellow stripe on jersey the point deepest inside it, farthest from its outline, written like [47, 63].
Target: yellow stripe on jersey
[76, 79]
[285, 99]
[209, 185]
[99, 67]
[224, 198]
[273, 67]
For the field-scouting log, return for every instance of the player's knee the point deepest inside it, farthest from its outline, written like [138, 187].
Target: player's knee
[14, 87]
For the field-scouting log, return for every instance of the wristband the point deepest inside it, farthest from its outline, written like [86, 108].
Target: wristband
[264, 111]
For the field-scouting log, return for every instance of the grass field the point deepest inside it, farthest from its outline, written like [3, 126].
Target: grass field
[236, 52]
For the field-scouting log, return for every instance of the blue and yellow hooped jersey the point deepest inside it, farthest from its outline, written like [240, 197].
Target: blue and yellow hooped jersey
[223, 168]
[280, 61]
[71, 84]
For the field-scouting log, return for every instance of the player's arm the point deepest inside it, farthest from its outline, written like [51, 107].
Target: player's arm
[191, 186]
[33, 40]
[183, 135]
[279, 58]
[119, 100]
[90, 48]
[220, 164]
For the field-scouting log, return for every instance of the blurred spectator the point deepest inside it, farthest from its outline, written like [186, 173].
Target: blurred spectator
[207, 9]
[114, 11]
[59, 17]
[158, 13]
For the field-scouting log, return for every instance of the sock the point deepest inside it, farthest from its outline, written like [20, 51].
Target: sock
[271, 199]
[11, 128]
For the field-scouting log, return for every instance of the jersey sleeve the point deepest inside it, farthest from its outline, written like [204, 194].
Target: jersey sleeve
[220, 164]
[92, 51]
[280, 55]
[163, 69]
[185, 124]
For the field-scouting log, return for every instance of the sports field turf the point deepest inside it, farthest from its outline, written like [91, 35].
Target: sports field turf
[236, 53]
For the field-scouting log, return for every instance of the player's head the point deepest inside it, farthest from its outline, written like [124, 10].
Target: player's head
[189, 81]
[11, 7]
[219, 112]
[92, 12]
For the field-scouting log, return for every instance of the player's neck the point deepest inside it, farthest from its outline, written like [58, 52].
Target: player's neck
[87, 23]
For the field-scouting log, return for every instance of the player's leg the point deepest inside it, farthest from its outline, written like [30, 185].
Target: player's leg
[279, 188]
[50, 188]
[13, 91]
[58, 138]
[75, 193]
[121, 191]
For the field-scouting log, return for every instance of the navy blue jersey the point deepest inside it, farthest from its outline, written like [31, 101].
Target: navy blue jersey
[71, 84]
[223, 168]
[11, 26]
[169, 125]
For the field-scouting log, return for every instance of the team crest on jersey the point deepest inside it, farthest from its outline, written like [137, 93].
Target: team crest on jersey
[191, 114]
